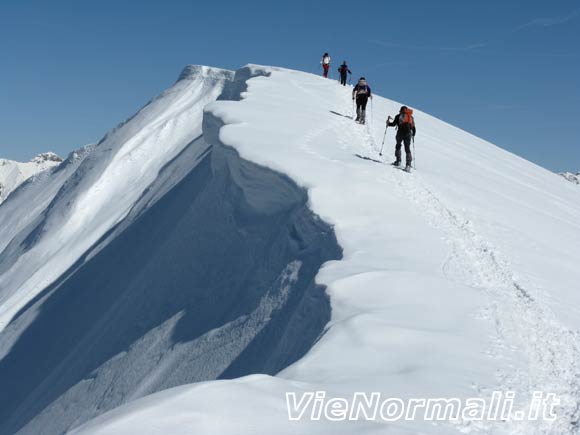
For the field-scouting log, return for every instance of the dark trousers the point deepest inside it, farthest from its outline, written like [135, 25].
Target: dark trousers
[325, 68]
[361, 108]
[404, 139]
[343, 79]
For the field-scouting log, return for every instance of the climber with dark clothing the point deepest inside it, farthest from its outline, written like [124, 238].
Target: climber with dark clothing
[361, 93]
[406, 130]
[343, 71]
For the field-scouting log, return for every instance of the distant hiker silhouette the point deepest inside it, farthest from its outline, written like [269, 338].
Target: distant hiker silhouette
[343, 71]
[361, 93]
[406, 131]
[325, 62]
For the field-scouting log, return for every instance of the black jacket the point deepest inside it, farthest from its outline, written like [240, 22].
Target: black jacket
[343, 69]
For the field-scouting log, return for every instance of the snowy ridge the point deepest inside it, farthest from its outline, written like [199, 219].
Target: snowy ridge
[13, 174]
[193, 244]
[449, 285]
[104, 187]
[210, 274]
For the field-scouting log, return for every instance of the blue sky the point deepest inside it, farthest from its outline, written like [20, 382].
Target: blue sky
[507, 71]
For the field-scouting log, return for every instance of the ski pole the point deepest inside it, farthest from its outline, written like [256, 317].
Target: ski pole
[383, 144]
[384, 137]
[414, 155]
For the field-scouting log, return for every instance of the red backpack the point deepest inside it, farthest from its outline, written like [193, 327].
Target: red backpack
[406, 117]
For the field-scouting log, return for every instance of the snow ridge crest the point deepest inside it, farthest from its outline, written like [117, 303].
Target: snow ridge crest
[192, 72]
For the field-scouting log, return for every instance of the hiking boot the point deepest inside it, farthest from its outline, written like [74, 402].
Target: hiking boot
[408, 168]
[396, 163]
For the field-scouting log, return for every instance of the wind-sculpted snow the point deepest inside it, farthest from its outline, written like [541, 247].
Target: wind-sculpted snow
[102, 190]
[27, 204]
[210, 275]
[457, 280]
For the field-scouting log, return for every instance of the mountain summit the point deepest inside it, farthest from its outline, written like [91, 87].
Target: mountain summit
[241, 239]
[13, 174]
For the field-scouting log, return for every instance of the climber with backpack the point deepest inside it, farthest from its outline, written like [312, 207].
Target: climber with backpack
[405, 124]
[325, 62]
[361, 92]
[343, 71]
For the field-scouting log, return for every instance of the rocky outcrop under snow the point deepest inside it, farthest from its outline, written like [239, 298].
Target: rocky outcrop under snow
[570, 176]
[13, 174]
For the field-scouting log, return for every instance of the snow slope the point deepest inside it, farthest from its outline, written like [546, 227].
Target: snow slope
[104, 188]
[13, 174]
[154, 259]
[456, 280]
[184, 247]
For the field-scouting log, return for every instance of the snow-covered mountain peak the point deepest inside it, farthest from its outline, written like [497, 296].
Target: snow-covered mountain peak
[47, 157]
[107, 180]
[245, 224]
[572, 177]
[13, 174]
[201, 71]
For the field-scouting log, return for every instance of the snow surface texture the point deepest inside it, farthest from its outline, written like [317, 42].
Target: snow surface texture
[103, 189]
[458, 279]
[574, 178]
[183, 247]
[209, 274]
[13, 174]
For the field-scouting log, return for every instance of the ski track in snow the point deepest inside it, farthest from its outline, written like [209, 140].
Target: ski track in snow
[524, 324]
[552, 350]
